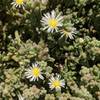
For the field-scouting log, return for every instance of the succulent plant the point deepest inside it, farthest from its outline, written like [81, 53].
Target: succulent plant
[53, 43]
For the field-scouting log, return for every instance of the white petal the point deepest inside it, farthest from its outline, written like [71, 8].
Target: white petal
[31, 79]
[53, 15]
[41, 77]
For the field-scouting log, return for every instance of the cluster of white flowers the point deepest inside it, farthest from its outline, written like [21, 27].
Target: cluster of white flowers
[35, 72]
[52, 22]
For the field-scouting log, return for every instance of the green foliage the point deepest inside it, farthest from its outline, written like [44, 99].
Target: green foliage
[23, 42]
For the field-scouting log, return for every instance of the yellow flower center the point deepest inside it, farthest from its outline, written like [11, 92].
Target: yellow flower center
[19, 2]
[56, 83]
[53, 23]
[36, 72]
[66, 32]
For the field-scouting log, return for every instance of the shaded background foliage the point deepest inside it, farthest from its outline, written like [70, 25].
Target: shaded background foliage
[22, 42]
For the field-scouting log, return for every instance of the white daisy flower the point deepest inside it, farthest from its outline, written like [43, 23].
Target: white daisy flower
[18, 3]
[52, 22]
[20, 97]
[68, 31]
[34, 73]
[56, 83]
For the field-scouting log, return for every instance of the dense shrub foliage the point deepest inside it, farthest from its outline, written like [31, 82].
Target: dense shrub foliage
[50, 50]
